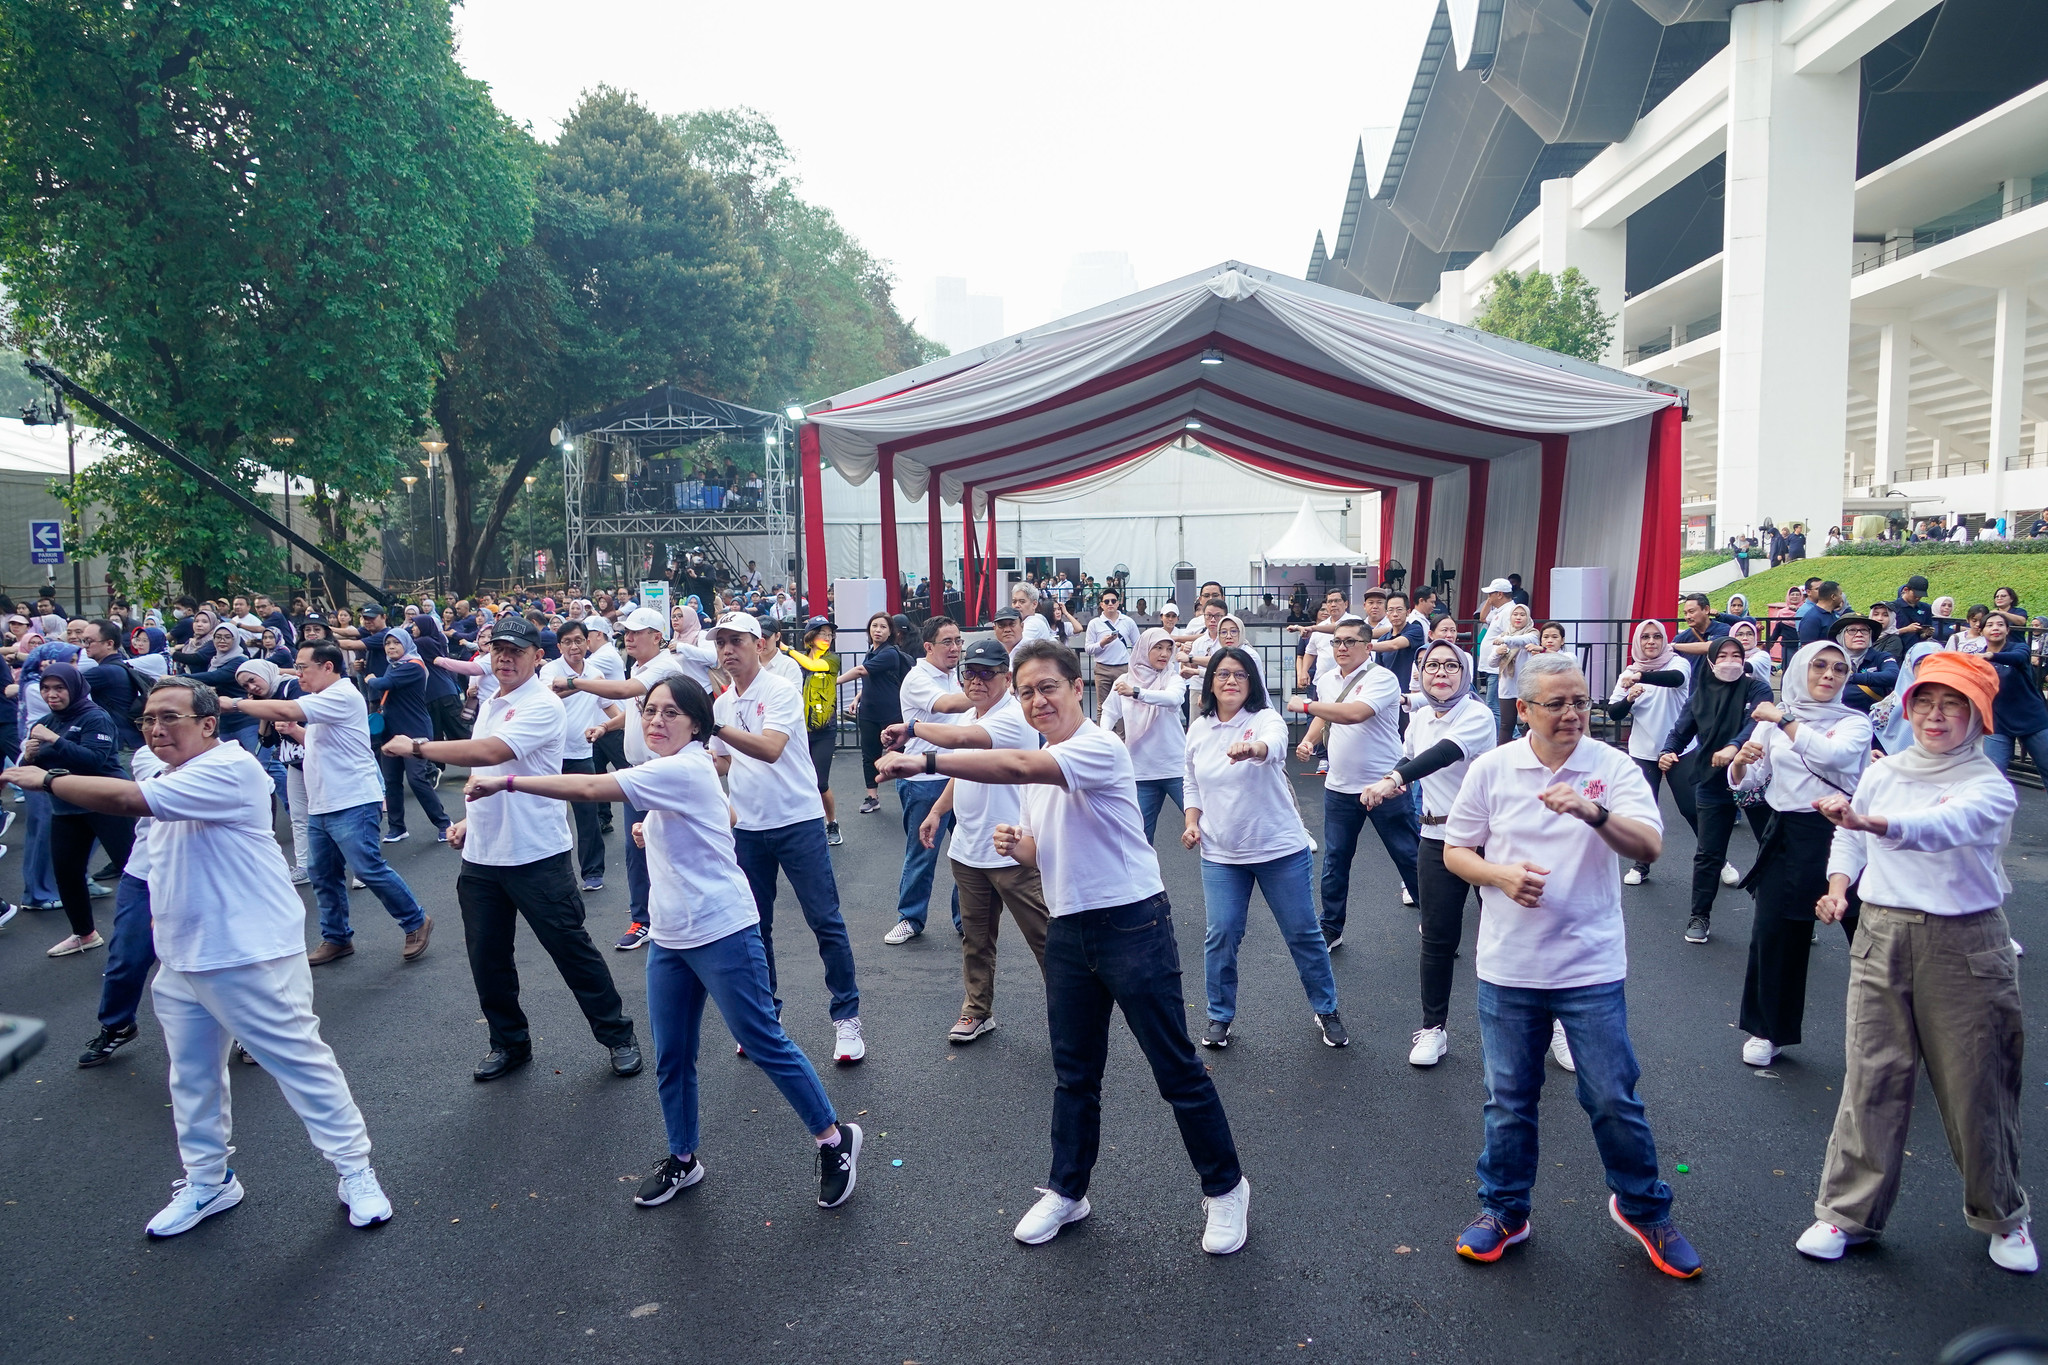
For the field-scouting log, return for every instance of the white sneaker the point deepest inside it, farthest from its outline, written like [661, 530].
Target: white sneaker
[1632, 877]
[1561, 1050]
[2015, 1250]
[364, 1197]
[300, 876]
[902, 933]
[1730, 874]
[850, 1046]
[1406, 898]
[1044, 1220]
[1431, 1045]
[72, 944]
[1759, 1051]
[1227, 1227]
[1826, 1242]
[190, 1203]
[356, 883]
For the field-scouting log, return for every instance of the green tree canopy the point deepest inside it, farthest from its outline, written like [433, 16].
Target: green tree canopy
[1561, 314]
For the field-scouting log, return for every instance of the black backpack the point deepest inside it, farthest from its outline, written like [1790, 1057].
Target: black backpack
[139, 684]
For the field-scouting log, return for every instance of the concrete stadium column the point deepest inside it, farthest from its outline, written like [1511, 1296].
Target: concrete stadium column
[1894, 383]
[2008, 388]
[1601, 255]
[1784, 283]
[1450, 299]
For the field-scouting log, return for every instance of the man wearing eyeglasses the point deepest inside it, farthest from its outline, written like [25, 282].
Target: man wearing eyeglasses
[1356, 711]
[1542, 826]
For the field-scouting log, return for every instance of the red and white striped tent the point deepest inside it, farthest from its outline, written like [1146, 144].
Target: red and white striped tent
[1490, 455]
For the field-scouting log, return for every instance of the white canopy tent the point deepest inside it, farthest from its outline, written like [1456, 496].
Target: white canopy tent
[1309, 544]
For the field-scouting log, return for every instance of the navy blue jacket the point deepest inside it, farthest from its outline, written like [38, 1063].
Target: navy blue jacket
[86, 745]
[404, 689]
[2018, 709]
[1906, 613]
[1874, 678]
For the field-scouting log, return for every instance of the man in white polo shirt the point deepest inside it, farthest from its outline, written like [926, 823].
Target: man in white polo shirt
[1357, 713]
[516, 860]
[344, 802]
[589, 718]
[930, 691]
[1109, 947]
[230, 938]
[1542, 826]
[761, 744]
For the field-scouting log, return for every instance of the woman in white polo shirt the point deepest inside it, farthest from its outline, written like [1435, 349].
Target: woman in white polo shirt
[1148, 700]
[1652, 692]
[706, 937]
[1241, 815]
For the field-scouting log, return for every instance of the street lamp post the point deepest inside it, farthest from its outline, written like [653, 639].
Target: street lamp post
[529, 560]
[434, 449]
[412, 518]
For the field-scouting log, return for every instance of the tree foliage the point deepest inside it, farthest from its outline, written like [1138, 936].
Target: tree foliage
[1561, 314]
[238, 219]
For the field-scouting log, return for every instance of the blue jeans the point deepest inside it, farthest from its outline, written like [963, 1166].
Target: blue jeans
[1344, 819]
[799, 851]
[914, 892]
[267, 756]
[1152, 794]
[38, 873]
[129, 956]
[734, 972]
[636, 868]
[345, 841]
[1227, 887]
[1999, 749]
[1514, 1030]
[1124, 957]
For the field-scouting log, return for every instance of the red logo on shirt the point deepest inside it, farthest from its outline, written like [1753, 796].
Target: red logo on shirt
[1594, 789]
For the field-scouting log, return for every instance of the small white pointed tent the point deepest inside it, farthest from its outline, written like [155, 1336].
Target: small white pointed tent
[1308, 542]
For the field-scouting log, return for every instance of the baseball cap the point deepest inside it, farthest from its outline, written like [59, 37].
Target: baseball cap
[513, 629]
[1173, 607]
[1499, 585]
[643, 618]
[1007, 614]
[986, 654]
[1916, 583]
[372, 609]
[738, 622]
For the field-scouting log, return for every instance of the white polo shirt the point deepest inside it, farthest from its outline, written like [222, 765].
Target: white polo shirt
[607, 659]
[922, 687]
[512, 829]
[1362, 754]
[1036, 628]
[219, 892]
[340, 764]
[662, 665]
[1574, 936]
[1248, 810]
[1113, 642]
[143, 764]
[582, 709]
[1322, 650]
[1470, 726]
[768, 795]
[978, 807]
[696, 893]
[1092, 850]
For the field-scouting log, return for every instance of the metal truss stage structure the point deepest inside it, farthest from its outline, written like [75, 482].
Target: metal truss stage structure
[647, 472]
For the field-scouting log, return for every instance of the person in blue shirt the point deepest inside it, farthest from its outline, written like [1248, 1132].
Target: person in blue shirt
[444, 696]
[1818, 617]
[374, 627]
[1718, 715]
[1701, 629]
[77, 737]
[1397, 648]
[2019, 717]
[1872, 673]
[112, 686]
[1912, 614]
[403, 687]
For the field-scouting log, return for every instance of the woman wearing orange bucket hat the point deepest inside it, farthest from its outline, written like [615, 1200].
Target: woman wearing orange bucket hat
[1932, 972]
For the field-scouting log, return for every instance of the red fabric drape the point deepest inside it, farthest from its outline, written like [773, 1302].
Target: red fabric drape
[892, 568]
[1658, 552]
[812, 479]
[971, 567]
[1475, 538]
[1418, 572]
[1388, 497]
[1549, 522]
[935, 549]
[993, 577]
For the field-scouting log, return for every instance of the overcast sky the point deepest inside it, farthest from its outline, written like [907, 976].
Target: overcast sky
[996, 143]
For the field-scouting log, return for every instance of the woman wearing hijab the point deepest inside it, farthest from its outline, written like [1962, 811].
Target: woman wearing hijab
[1717, 717]
[1946, 623]
[1230, 635]
[1806, 748]
[209, 638]
[1240, 813]
[1447, 729]
[77, 737]
[1147, 700]
[1934, 977]
[687, 643]
[1517, 638]
[403, 687]
[1652, 691]
[1738, 610]
[148, 651]
[1744, 632]
[444, 694]
[1894, 734]
[218, 670]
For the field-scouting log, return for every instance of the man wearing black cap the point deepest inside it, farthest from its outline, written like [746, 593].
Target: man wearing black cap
[1912, 614]
[1872, 673]
[517, 859]
[370, 642]
[1009, 626]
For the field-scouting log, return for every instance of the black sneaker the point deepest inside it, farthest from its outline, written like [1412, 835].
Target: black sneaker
[101, 1050]
[1217, 1034]
[868, 806]
[1334, 1034]
[105, 873]
[671, 1175]
[833, 836]
[836, 1167]
[1698, 930]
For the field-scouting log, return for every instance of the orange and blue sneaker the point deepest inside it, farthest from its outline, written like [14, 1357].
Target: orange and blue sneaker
[1669, 1251]
[1489, 1237]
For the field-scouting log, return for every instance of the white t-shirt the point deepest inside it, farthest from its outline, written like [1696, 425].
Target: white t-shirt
[1036, 628]
[1362, 754]
[1113, 641]
[1092, 850]
[1470, 726]
[1496, 624]
[220, 894]
[1574, 936]
[662, 665]
[582, 709]
[696, 892]
[608, 661]
[1322, 651]
[341, 766]
[978, 807]
[769, 795]
[698, 658]
[143, 764]
[922, 686]
[512, 829]
[1151, 727]
[1248, 810]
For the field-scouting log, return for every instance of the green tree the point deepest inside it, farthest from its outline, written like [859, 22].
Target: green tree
[1561, 314]
[238, 219]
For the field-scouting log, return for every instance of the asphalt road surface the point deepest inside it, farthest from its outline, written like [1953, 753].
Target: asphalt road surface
[516, 1240]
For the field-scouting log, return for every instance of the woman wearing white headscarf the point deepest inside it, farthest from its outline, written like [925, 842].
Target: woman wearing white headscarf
[1752, 648]
[1810, 746]
[1147, 700]
[1652, 692]
[1894, 734]
[1516, 639]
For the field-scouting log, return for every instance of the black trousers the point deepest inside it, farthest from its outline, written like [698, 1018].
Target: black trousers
[1714, 801]
[447, 716]
[71, 839]
[870, 750]
[1791, 874]
[1440, 897]
[417, 773]
[823, 741]
[589, 834]
[609, 756]
[492, 900]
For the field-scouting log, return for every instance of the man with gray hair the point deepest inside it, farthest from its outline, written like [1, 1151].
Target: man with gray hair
[1024, 596]
[1541, 826]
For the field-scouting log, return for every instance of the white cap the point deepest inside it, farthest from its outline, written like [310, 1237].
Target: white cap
[1351, 618]
[1169, 607]
[643, 618]
[1500, 585]
[598, 624]
[743, 622]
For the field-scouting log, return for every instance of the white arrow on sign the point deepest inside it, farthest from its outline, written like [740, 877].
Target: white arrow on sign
[48, 535]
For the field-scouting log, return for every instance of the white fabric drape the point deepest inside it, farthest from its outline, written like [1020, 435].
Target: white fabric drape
[1447, 529]
[1603, 507]
[1514, 490]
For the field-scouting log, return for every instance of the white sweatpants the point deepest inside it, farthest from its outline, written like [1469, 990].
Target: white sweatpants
[295, 788]
[268, 1007]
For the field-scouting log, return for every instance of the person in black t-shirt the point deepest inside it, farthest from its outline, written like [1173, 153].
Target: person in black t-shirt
[1405, 636]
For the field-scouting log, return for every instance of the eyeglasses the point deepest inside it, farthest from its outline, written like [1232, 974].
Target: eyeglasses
[1230, 675]
[982, 675]
[1348, 641]
[156, 720]
[1049, 691]
[1562, 705]
[1443, 666]
[669, 714]
[1951, 708]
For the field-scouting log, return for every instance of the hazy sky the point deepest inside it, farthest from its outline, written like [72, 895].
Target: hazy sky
[995, 144]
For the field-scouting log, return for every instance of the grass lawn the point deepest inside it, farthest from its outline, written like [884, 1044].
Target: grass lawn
[1967, 578]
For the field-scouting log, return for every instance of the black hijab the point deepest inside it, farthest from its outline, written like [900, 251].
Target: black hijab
[1720, 710]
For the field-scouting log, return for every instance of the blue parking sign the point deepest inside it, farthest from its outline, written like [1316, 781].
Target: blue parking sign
[46, 542]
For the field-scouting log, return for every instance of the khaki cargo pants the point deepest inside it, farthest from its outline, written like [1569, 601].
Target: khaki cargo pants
[985, 892]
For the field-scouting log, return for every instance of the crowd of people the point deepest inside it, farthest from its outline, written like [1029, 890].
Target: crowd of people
[1875, 793]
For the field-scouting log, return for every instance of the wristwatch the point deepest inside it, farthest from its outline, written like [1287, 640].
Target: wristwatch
[417, 745]
[931, 763]
[1600, 814]
[51, 775]
[716, 729]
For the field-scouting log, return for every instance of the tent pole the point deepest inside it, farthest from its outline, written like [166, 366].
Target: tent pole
[970, 566]
[1418, 573]
[995, 579]
[935, 548]
[812, 480]
[1549, 522]
[892, 570]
